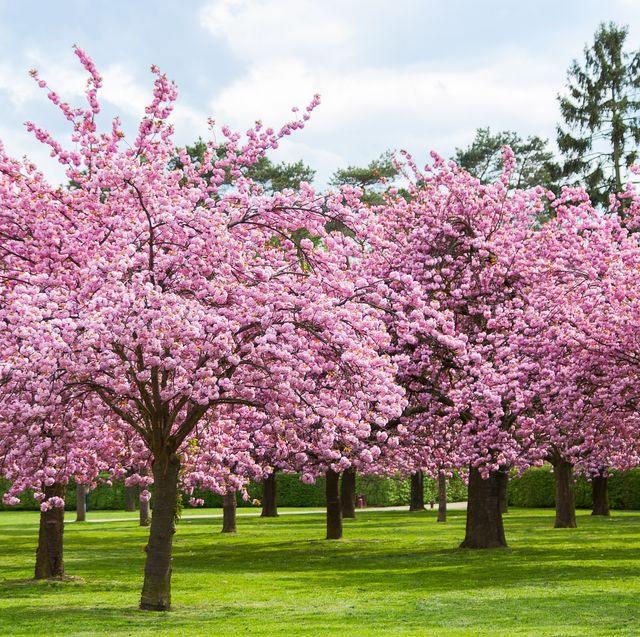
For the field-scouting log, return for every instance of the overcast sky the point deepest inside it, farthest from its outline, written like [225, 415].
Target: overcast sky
[414, 74]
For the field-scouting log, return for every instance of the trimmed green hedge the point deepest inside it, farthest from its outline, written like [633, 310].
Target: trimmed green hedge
[291, 493]
[536, 488]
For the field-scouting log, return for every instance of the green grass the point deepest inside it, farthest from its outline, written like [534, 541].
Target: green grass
[395, 573]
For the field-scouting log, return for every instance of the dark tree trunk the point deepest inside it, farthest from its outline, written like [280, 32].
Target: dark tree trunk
[156, 591]
[348, 493]
[49, 555]
[334, 510]
[229, 505]
[269, 497]
[81, 502]
[416, 501]
[145, 515]
[130, 497]
[442, 497]
[565, 498]
[600, 495]
[484, 520]
[503, 483]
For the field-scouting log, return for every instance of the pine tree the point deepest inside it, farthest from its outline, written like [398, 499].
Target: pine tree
[535, 162]
[373, 179]
[601, 113]
[273, 177]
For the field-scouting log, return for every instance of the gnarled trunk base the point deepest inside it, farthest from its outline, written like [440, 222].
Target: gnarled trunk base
[484, 520]
[416, 500]
[565, 498]
[334, 510]
[156, 591]
[348, 493]
[229, 505]
[49, 554]
[269, 497]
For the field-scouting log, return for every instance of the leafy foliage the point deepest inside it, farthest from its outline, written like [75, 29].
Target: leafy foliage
[601, 113]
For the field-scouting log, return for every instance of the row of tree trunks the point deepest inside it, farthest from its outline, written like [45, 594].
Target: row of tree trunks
[81, 502]
[484, 528]
[348, 493]
[442, 497]
[49, 554]
[269, 497]
[416, 497]
[229, 506]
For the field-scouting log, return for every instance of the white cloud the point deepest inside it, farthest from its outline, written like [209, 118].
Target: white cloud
[291, 50]
[376, 108]
[17, 86]
[123, 90]
[278, 28]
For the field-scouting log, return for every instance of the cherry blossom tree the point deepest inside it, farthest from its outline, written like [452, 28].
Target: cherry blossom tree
[582, 293]
[451, 254]
[184, 295]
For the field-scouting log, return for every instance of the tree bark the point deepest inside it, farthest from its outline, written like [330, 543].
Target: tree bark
[145, 515]
[269, 497]
[416, 500]
[229, 505]
[334, 510]
[600, 495]
[484, 520]
[442, 497]
[49, 555]
[156, 591]
[348, 493]
[503, 484]
[130, 497]
[81, 503]
[565, 498]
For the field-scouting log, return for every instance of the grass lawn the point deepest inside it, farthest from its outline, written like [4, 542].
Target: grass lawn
[395, 573]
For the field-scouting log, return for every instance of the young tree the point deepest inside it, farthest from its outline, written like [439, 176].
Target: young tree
[601, 114]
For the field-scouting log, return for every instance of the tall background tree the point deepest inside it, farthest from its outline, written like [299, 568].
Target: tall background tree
[535, 163]
[601, 114]
[273, 177]
[372, 178]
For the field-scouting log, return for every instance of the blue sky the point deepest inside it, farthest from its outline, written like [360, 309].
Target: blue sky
[414, 74]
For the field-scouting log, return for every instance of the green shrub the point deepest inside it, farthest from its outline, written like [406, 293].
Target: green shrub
[536, 488]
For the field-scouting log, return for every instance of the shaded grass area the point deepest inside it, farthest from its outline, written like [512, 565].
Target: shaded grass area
[395, 573]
